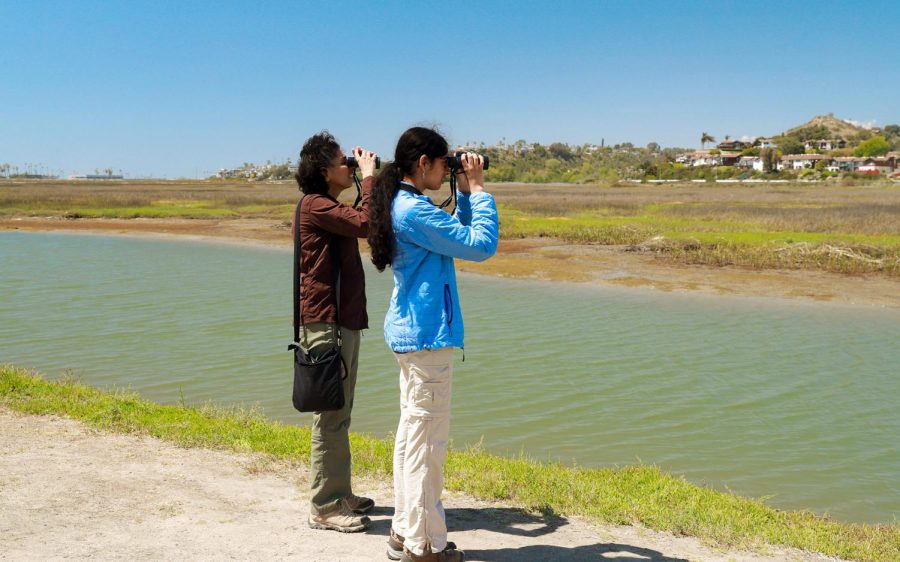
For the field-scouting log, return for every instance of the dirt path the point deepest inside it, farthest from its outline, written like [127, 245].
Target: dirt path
[67, 491]
[535, 259]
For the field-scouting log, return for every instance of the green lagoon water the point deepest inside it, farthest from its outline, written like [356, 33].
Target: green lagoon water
[795, 401]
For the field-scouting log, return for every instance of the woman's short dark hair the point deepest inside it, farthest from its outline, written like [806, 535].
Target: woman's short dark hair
[316, 155]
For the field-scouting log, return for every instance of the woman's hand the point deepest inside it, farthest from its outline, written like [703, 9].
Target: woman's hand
[366, 160]
[472, 181]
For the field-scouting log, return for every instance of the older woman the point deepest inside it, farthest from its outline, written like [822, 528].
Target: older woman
[329, 231]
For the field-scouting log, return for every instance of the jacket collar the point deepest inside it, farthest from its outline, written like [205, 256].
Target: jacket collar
[406, 186]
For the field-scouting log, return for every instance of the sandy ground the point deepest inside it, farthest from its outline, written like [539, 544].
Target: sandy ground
[70, 492]
[537, 259]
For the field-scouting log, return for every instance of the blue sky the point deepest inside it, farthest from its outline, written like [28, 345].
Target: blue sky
[181, 89]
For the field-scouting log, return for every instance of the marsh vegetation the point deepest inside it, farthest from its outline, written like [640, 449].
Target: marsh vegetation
[847, 229]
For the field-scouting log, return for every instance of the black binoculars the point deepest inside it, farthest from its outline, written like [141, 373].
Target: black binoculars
[455, 161]
[352, 163]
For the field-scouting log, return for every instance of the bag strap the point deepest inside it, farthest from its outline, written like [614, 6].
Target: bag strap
[298, 302]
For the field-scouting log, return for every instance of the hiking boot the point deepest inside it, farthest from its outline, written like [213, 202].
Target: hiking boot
[341, 519]
[395, 545]
[359, 504]
[449, 554]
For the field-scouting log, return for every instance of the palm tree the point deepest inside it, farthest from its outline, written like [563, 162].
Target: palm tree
[705, 138]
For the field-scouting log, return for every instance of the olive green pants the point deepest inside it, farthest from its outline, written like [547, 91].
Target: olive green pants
[329, 463]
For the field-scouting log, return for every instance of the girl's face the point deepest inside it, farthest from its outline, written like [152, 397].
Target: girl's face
[338, 175]
[434, 171]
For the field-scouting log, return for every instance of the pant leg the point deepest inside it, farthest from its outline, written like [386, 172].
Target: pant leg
[427, 425]
[399, 520]
[329, 466]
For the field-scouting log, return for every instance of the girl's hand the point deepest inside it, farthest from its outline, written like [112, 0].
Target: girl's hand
[472, 181]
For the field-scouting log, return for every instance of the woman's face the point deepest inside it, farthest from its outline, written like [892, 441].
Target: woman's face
[435, 172]
[338, 175]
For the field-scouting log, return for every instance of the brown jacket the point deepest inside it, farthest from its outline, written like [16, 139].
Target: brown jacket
[324, 220]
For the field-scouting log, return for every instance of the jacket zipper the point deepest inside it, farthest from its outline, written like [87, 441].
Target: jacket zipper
[448, 304]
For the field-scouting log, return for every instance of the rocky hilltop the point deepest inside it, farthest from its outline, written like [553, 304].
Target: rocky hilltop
[838, 127]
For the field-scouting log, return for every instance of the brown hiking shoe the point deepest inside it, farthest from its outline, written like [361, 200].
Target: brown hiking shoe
[395, 545]
[359, 504]
[341, 519]
[449, 554]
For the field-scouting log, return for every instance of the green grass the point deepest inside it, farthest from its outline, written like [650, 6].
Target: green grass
[146, 211]
[280, 211]
[631, 495]
[630, 227]
[155, 212]
[719, 240]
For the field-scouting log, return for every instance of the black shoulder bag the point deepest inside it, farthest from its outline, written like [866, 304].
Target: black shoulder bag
[318, 385]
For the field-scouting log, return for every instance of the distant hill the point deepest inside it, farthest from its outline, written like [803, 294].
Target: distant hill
[837, 127]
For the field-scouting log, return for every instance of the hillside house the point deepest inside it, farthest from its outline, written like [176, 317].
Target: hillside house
[697, 158]
[729, 158]
[803, 161]
[846, 163]
[882, 165]
[731, 145]
[708, 158]
[751, 163]
[825, 144]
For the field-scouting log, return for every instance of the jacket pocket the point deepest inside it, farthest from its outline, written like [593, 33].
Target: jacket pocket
[448, 306]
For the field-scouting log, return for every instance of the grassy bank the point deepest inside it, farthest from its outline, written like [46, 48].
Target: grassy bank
[845, 229]
[162, 199]
[632, 495]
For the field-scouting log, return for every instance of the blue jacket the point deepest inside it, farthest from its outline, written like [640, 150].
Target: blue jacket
[424, 311]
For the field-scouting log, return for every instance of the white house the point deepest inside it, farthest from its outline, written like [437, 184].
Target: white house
[751, 162]
[825, 144]
[803, 161]
[698, 158]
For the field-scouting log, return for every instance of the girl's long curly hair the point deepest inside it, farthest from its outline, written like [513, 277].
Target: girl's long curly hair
[413, 143]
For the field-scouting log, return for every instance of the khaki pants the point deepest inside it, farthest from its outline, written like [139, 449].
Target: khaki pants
[329, 463]
[421, 447]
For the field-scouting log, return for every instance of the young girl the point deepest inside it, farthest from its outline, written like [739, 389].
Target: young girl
[424, 323]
